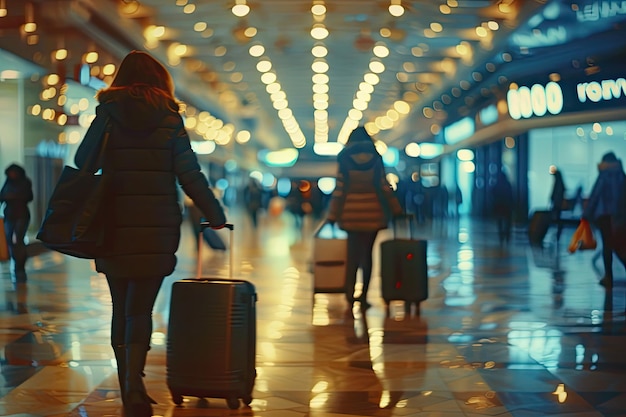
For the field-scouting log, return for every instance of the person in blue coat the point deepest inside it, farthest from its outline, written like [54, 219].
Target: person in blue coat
[603, 208]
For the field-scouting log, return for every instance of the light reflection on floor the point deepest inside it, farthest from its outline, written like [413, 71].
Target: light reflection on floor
[506, 331]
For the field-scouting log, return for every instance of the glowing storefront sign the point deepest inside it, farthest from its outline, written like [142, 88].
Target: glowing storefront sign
[537, 100]
[459, 130]
[604, 90]
[600, 10]
[488, 115]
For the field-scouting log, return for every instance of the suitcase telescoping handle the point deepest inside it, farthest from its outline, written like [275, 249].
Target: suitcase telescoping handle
[204, 225]
[406, 219]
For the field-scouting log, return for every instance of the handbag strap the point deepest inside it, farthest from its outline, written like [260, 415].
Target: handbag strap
[95, 158]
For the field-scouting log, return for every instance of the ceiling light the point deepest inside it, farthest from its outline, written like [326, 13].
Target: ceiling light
[91, 57]
[268, 78]
[362, 95]
[281, 158]
[319, 51]
[318, 9]
[436, 27]
[355, 114]
[320, 88]
[366, 87]
[493, 25]
[381, 51]
[285, 113]
[371, 78]
[29, 26]
[481, 31]
[53, 79]
[243, 136]
[412, 149]
[3, 8]
[320, 66]
[203, 147]
[240, 9]
[264, 66]
[319, 31]
[395, 8]
[377, 67]
[273, 88]
[327, 149]
[402, 107]
[256, 50]
[60, 54]
[108, 69]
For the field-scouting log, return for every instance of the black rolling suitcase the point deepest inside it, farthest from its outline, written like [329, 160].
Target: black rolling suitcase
[211, 338]
[403, 268]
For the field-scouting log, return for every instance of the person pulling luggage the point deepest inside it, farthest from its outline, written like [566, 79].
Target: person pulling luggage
[362, 203]
[147, 152]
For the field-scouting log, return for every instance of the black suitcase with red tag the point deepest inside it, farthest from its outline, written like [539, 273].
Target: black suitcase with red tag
[403, 269]
[211, 338]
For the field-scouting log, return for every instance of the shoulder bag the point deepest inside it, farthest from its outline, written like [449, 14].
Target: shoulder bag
[72, 224]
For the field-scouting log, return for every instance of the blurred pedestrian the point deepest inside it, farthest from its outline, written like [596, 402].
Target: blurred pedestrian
[604, 208]
[295, 204]
[362, 204]
[253, 199]
[15, 194]
[557, 199]
[147, 153]
[503, 205]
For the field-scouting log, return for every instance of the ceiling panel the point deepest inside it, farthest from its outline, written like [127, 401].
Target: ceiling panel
[425, 67]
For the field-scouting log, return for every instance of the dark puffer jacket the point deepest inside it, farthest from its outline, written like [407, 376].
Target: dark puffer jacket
[363, 199]
[147, 153]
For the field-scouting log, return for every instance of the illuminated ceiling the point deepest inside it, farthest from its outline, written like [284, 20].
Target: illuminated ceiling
[407, 75]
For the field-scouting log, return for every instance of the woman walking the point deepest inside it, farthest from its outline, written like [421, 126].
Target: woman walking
[147, 153]
[362, 204]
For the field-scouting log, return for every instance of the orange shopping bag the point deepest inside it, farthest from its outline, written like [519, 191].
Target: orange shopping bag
[582, 238]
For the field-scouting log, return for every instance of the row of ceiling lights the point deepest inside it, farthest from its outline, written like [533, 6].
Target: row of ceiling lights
[319, 32]
[320, 78]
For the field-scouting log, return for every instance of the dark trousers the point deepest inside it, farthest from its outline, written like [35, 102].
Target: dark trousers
[15, 232]
[133, 300]
[605, 226]
[556, 218]
[504, 228]
[360, 245]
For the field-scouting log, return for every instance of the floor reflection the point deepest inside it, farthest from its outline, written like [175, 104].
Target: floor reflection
[507, 330]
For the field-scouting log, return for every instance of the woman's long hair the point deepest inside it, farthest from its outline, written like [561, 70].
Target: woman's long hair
[143, 76]
[359, 135]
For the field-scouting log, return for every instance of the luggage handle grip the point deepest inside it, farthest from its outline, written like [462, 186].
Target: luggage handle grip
[205, 224]
[408, 217]
[231, 259]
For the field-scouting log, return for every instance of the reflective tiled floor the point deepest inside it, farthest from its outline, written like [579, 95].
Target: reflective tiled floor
[506, 331]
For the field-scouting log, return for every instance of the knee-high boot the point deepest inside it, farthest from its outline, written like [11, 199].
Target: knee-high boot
[137, 402]
[120, 358]
[21, 292]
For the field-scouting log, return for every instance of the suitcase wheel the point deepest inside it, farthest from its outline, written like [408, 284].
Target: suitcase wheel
[177, 398]
[247, 399]
[232, 402]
